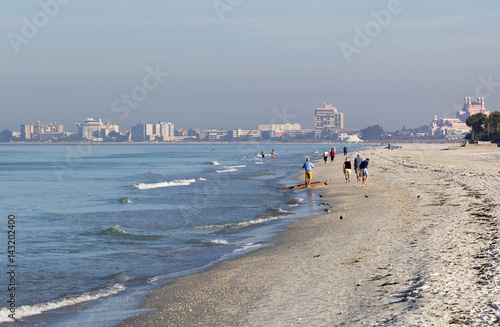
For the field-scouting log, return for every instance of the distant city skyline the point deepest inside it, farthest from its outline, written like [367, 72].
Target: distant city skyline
[237, 64]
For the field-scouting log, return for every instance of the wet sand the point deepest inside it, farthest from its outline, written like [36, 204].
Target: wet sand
[418, 246]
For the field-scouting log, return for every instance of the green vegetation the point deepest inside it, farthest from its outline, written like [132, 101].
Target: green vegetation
[374, 132]
[6, 136]
[484, 128]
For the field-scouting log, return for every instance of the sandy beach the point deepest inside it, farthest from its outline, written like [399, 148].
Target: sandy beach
[418, 246]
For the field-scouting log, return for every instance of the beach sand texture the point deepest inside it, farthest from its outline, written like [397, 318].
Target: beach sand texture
[418, 246]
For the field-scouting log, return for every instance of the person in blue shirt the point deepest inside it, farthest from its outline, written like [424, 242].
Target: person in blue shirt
[364, 170]
[357, 162]
[308, 166]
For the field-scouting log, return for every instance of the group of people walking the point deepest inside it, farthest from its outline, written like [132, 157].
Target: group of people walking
[331, 154]
[360, 167]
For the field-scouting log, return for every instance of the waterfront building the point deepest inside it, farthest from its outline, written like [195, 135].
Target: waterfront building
[457, 127]
[212, 135]
[160, 131]
[108, 128]
[327, 121]
[278, 130]
[41, 132]
[448, 127]
[246, 133]
[90, 129]
[471, 108]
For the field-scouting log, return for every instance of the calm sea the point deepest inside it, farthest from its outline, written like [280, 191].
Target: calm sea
[98, 226]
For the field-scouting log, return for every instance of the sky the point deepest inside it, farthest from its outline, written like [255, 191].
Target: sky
[238, 63]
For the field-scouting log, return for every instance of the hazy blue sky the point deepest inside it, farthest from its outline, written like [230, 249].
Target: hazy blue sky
[238, 63]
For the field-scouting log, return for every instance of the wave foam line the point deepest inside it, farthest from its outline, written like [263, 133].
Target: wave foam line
[227, 169]
[241, 224]
[177, 182]
[30, 310]
[246, 246]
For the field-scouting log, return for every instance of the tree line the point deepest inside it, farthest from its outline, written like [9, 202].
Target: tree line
[484, 128]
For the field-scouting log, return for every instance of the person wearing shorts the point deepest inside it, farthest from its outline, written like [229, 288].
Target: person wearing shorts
[346, 168]
[308, 166]
[357, 170]
[364, 170]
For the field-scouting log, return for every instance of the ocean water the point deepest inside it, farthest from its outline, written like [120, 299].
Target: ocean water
[99, 226]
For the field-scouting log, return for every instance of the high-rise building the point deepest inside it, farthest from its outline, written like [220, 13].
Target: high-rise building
[160, 131]
[41, 132]
[327, 120]
[138, 132]
[90, 129]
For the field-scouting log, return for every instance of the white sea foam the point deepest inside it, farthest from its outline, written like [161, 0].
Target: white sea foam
[177, 182]
[258, 162]
[279, 210]
[30, 310]
[241, 223]
[215, 163]
[219, 242]
[226, 169]
[247, 246]
[201, 179]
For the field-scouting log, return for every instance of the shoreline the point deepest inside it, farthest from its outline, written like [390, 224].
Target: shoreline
[184, 302]
[408, 251]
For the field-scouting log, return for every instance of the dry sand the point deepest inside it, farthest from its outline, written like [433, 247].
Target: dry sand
[418, 246]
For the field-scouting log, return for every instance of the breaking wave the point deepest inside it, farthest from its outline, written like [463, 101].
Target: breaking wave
[226, 169]
[30, 310]
[177, 182]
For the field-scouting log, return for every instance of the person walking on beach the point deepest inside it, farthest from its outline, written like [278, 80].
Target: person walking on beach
[357, 170]
[332, 154]
[325, 155]
[345, 151]
[308, 166]
[273, 154]
[364, 170]
[346, 168]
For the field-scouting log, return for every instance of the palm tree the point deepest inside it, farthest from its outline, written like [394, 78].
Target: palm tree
[475, 122]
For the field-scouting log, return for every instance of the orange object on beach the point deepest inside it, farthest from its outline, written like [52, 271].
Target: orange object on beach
[302, 185]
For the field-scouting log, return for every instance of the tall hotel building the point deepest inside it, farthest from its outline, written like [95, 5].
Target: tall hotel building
[160, 131]
[327, 120]
[41, 132]
[471, 108]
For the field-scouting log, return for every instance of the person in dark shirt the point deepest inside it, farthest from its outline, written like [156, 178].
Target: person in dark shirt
[346, 168]
[364, 170]
[357, 170]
